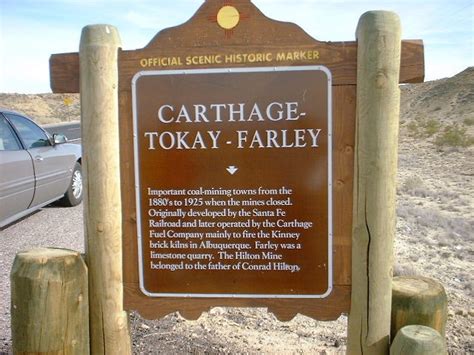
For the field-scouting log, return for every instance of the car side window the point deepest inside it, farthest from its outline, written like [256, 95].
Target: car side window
[8, 141]
[31, 135]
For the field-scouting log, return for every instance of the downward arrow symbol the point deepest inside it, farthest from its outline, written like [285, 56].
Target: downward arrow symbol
[232, 169]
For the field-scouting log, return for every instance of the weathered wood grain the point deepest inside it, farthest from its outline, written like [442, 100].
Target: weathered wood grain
[378, 104]
[344, 104]
[49, 302]
[102, 201]
[64, 68]
[418, 340]
[418, 300]
[284, 309]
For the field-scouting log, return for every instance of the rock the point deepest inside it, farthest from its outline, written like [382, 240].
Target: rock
[461, 312]
[217, 311]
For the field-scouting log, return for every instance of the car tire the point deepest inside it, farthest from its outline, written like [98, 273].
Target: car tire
[75, 191]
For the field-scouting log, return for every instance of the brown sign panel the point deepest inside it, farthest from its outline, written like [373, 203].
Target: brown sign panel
[233, 176]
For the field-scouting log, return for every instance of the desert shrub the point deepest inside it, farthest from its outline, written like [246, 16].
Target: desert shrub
[411, 185]
[430, 127]
[444, 239]
[424, 128]
[461, 227]
[469, 286]
[431, 218]
[454, 136]
[469, 121]
[413, 129]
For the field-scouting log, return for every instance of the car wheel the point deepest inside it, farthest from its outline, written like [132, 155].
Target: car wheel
[73, 195]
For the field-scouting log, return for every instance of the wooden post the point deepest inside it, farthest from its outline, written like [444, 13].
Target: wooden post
[49, 302]
[378, 102]
[102, 202]
[418, 300]
[418, 340]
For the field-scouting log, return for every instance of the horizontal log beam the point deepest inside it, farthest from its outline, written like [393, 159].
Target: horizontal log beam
[64, 67]
[64, 73]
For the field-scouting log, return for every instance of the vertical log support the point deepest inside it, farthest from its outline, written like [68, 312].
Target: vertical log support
[102, 203]
[378, 103]
[49, 303]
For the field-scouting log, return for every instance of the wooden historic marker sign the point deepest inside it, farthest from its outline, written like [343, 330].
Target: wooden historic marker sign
[189, 171]
[233, 171]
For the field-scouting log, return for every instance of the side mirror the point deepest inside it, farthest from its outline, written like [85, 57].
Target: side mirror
[59, 138]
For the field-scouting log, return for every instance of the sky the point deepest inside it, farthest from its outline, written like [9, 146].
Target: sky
[32, 30]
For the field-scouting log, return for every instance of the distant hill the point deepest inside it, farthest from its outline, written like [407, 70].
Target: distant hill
[44, 108]
[440, 111]
[448, 100]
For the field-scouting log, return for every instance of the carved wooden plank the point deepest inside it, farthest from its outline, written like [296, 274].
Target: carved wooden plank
[284, 309]
[64, 73]
[64, 68]
[344, 101]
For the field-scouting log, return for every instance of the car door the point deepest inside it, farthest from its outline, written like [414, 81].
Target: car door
[17, 180]
[52, 164]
